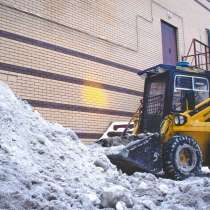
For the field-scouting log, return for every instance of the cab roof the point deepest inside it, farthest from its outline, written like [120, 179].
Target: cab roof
[161, 68]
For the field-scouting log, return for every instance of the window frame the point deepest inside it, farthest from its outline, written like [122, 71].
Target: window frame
[193, 83]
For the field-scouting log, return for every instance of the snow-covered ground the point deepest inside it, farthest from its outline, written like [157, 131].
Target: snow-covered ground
[45, 166]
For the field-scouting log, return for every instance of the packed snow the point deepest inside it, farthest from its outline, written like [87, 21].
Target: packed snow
[44, 166]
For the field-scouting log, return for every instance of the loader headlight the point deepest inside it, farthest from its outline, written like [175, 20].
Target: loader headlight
[180, 120]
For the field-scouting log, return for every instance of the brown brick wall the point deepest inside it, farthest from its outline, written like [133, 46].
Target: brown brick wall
[87, 53]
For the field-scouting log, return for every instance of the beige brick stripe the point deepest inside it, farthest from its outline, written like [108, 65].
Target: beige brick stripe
[64, 78]
[62, 106]
[80, 122]
[67, 51]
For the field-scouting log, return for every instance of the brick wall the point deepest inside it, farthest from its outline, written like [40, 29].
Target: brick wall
[76, 61]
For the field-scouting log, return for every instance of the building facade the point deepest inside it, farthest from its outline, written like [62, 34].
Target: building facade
[75, 61]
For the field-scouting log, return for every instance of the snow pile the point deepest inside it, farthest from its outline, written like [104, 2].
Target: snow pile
[44, 166]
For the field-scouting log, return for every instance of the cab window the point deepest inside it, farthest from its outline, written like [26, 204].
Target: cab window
[201, 84]
[182, 83]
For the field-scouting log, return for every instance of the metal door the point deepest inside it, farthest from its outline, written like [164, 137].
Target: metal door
[169, 43]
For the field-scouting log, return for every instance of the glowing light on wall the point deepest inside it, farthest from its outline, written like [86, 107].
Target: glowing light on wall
[94, 96]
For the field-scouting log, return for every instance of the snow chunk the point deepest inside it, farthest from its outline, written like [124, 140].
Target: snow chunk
[111, 195]
[120, 205]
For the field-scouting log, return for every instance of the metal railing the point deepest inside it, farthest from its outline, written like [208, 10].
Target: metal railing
[198, 55]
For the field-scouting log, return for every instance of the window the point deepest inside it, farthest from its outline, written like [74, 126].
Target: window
[191, 83]
[201, 84]
[183, 83]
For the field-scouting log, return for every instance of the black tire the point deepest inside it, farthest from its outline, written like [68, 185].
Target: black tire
[181, 157]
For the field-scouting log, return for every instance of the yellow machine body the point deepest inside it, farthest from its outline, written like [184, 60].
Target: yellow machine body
[197, 126]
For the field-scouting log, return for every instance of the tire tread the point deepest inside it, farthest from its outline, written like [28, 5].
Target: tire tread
[169, 150]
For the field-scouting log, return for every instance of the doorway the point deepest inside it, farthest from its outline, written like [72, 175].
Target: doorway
[169, 43]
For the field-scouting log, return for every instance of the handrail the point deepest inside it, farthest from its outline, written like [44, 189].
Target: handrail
[198, 55]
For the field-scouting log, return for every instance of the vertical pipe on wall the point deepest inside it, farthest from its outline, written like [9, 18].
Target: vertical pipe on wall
[194, 44]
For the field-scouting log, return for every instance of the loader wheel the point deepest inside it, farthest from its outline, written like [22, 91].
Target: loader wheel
[182, 157]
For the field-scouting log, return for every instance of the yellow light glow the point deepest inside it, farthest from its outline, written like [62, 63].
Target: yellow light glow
[94, 96]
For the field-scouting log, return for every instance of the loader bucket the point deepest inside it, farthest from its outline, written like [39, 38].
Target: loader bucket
[141, 155]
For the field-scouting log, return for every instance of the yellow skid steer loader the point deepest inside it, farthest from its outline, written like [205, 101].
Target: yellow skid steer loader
[172, 127]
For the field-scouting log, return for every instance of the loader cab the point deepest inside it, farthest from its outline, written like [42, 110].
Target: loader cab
[169, 89]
